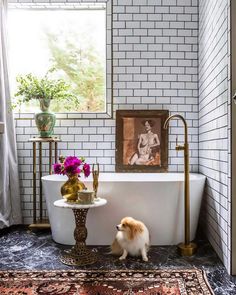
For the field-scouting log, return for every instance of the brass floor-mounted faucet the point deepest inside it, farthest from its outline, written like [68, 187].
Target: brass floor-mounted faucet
[187, 248]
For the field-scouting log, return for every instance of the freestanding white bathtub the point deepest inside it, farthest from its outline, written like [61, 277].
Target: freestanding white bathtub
[156, 199]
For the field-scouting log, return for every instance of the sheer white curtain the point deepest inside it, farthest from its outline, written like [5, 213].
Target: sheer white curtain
[10, 209]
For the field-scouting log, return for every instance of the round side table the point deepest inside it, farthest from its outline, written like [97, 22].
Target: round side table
[79, 254]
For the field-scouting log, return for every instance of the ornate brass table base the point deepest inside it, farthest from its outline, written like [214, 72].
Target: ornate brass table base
[79, 254]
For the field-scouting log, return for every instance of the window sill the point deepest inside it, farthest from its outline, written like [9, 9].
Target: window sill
[64, 116]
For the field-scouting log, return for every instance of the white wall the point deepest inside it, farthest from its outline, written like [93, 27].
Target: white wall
[214, 122]
[155, 65]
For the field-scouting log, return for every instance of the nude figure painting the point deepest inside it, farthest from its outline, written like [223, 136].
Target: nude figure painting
[141, 141]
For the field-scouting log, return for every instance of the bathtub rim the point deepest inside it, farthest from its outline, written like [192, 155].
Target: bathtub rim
[130, 177]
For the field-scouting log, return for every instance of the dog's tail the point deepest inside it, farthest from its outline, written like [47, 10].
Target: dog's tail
[147, 245]
[115, 248]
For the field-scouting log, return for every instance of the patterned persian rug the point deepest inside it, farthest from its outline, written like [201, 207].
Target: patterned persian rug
[98, 282]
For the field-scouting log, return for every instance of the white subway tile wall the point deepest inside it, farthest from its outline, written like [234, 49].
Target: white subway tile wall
[155, 66]
[214, 122]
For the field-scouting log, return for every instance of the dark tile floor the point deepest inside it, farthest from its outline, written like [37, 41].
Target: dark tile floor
[23, 249]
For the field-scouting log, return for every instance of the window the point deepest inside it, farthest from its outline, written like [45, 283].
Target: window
[70, 44]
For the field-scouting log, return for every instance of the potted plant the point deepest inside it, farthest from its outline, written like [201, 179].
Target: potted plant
[43, 89]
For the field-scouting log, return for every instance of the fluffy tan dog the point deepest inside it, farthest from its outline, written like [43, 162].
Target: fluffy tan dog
[132, 238]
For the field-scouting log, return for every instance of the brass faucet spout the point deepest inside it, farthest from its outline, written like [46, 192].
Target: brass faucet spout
[177, 116]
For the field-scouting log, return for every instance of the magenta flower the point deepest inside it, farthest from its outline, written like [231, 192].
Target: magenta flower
[72, 169]
[57, 168]
[86, 169]
[72, 161]
[72, 166]
[78, 171]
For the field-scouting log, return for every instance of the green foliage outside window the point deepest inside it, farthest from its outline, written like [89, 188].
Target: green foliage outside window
[82, 67]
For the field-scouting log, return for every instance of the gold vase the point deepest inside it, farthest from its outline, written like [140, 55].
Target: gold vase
[71, 187]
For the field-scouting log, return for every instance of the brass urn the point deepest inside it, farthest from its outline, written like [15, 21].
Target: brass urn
[71, 187]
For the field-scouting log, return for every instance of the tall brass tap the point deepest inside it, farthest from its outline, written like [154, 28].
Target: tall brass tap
[187, 248]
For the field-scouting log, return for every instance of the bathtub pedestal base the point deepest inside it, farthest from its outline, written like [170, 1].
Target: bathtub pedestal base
[187, 250]
[79, 254]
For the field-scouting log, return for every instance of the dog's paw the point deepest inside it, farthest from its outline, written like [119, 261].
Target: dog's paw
[122, 258]
[145, 259]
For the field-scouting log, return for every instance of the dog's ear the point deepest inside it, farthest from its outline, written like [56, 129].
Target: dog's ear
[135, 229]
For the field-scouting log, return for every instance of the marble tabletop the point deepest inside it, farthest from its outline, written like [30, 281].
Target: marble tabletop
[63, 204]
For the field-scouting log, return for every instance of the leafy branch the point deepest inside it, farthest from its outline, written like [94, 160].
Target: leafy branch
[31, 87]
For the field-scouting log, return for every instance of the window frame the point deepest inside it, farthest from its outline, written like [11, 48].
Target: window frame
[83, 4]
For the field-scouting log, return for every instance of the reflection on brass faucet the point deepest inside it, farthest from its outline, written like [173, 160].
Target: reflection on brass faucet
[187, 248]
[95, 179]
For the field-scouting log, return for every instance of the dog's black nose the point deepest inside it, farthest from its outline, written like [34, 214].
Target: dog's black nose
[117, 227]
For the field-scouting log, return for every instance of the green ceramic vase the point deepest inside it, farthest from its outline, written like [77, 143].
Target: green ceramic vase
[45, 120]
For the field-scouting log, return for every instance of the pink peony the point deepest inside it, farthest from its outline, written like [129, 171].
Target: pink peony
[72, 161]
[71, 167]
[86, 169]
[57, 168]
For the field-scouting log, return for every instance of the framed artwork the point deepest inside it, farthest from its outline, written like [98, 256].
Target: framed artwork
[141, 141]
